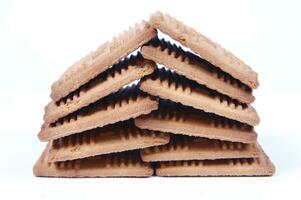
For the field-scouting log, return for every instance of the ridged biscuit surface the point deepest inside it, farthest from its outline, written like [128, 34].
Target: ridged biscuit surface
[119, 137]
[261, 166]
[100, 60]
[197, 69]
[126, 164]
[127, 103]
[169, 85]
[206, 48]
[111, 80]
[192, 148]
[178, 119]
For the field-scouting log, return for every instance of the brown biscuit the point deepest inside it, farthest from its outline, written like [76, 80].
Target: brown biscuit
[192, 148]
[122, 136]
[197, 69]
[98, 61]
[261, 166]
[127, 103]
[169, 85]
[178, 119]
[206, 48]
[111, 80]
[125, 164]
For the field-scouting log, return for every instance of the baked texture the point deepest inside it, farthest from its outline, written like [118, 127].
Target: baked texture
[100, 60]
[125, 164]
[261, 166]
[197, 69]
[206, 48]
[169, 85]
[191, 148]
[127, 103]
[111, 80]
[178, 119]
[119, 137]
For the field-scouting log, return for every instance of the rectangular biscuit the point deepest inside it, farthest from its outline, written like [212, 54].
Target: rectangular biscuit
[114, 78]
[169, 85]
[206, 48]
[178, 119]
[192, 148]
[100, 60]
[125, 164]
[127, 103]
[122, 136]
[261, 166]
[197, 69]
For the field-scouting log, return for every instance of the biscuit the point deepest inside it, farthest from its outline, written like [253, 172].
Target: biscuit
[127, 103]
[261, 166]
[178, 119]
[100, 60]
[123, 73]
[206, 48]
[197, 69]
[125, 164]
[122, 136]
[193, 148]
[169, 85]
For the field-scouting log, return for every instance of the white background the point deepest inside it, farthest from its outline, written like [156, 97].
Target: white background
[39, 40]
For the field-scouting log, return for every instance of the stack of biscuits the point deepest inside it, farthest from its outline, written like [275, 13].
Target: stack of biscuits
[143, 106]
